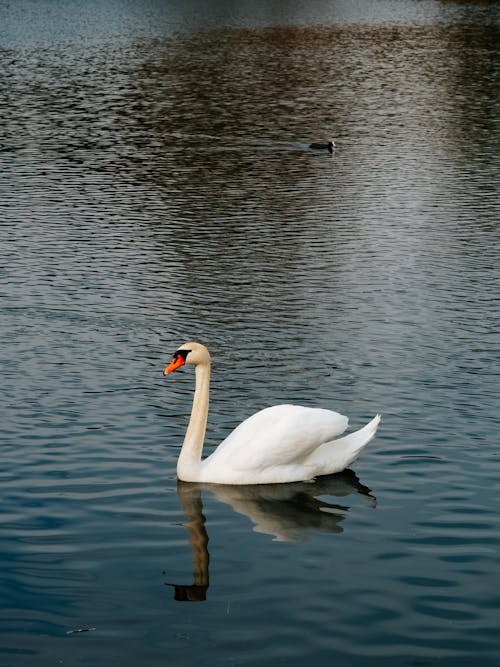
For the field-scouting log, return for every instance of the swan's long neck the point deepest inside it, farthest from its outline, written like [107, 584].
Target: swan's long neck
[189, 461]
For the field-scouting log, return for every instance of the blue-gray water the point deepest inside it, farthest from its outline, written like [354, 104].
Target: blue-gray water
[156, 186]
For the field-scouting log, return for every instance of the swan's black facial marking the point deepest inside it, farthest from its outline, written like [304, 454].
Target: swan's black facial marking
[181, 353]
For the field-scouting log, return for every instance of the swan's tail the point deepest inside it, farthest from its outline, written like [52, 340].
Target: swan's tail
[337, 455]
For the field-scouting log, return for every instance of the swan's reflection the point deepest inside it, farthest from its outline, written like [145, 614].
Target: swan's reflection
[285, 511]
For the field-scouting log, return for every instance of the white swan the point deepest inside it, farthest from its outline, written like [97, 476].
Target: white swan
[283, 443]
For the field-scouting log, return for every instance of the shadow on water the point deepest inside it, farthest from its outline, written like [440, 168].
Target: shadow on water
[285, 511]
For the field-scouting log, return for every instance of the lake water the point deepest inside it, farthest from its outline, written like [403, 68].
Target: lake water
[156, 186]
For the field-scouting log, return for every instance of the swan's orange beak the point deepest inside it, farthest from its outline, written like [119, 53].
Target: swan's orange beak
[176, 363]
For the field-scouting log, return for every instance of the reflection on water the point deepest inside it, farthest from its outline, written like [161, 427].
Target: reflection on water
[288, 512]
[190, 498]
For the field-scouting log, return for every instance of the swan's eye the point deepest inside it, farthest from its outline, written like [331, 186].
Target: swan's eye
[181, 353]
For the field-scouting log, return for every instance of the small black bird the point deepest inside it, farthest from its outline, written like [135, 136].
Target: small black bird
[324, 147]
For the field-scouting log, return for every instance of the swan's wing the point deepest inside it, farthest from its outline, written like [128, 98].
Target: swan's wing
[277, 436]
[337, 455]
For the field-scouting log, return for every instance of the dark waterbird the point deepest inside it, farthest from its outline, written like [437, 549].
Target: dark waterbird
[324, 147]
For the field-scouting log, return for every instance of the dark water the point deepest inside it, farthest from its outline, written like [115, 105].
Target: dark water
[156, 186]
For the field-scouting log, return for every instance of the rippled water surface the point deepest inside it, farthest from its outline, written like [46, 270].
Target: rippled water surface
[156, 186]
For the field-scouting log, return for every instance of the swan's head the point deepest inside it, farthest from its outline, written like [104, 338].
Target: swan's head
[331, 146]
[189, 353]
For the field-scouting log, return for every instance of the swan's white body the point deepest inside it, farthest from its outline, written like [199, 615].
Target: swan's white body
[283, 443]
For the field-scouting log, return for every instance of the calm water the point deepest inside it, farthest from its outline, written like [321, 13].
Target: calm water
[156, 186]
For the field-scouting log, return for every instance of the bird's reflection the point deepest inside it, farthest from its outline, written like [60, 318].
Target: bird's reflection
[285, 511]
[190, 497]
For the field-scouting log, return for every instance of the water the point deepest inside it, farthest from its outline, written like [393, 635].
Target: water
[156, 186]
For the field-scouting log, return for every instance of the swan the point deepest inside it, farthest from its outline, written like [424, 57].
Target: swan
[323, 147]
[283, 443]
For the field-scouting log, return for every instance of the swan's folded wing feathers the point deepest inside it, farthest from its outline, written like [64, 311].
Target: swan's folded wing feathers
[276, 436]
